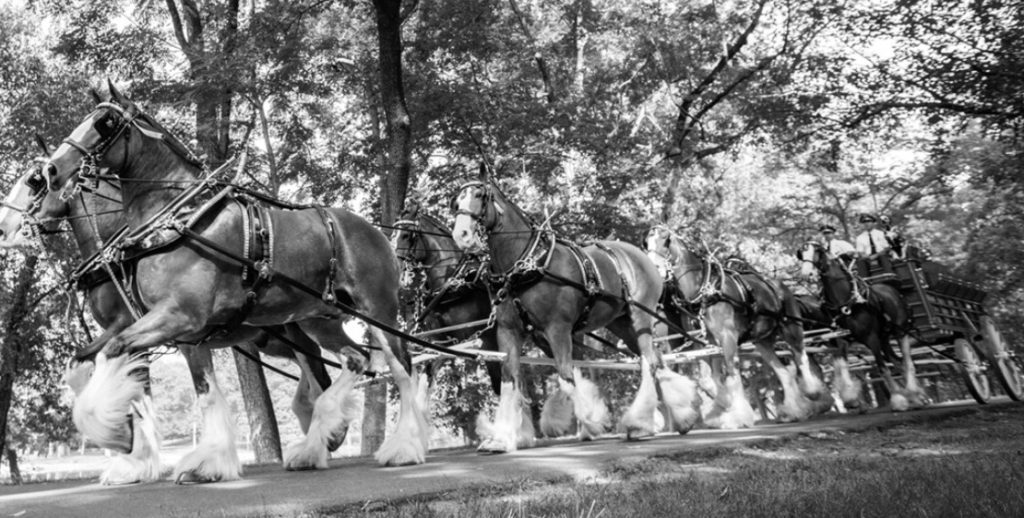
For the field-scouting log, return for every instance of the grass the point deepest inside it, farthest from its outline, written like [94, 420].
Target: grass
[966, 465]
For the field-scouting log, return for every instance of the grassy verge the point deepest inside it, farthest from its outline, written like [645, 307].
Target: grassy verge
[965, 465]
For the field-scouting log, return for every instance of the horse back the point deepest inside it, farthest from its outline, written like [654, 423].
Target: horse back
[619, 262]
[364, 256]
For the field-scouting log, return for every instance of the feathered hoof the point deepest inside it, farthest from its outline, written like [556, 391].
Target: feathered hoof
[303, 457]
[394, 454]
[687, 421]
[200, 467]
[125, 470]
[636, 434]
[556, 415]
[899, 403]
[194, 477]
[721, 419]
[496, 445]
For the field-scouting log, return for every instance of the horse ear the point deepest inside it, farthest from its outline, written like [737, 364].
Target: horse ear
[115, 94]
[484, 172]
[95, 95]
[43, 145]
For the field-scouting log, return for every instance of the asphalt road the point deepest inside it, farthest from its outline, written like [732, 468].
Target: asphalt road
[271, 491]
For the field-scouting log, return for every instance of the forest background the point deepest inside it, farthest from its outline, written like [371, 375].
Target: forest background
[746, 123]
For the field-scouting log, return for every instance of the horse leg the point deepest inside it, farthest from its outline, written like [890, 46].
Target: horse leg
[897, 401]
[408, 444]
[915, 395]
[113, 409]
[215, 458]
[142, 463]
[589, 408]
[678, 393]
[512, 427]
[850, 389]
[731, 409]
[810, 385]
[794, 407]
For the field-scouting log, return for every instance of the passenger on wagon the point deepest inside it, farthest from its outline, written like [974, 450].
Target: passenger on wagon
[872, 246]
[895, 238]
[837, 248]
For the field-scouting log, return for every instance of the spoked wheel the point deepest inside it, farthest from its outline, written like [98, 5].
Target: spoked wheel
[1007, 369]
[973, 369]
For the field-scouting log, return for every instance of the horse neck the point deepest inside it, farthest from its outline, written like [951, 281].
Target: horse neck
[95, 219]
[440, 254]
[688, 269]
[153, 177]
[511, 236]
[836, 284]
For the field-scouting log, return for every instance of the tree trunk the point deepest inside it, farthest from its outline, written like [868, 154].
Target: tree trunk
[11, 350]
[12, 463]
[263, 432]
[213, 101]
[394, 177]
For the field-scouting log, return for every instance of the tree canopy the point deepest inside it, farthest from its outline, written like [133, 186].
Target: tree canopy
[747, 122]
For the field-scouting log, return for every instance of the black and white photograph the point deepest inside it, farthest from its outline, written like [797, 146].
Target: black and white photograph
[511, 258]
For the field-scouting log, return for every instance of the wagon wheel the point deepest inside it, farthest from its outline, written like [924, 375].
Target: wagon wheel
[1007, 369]
[973, 369]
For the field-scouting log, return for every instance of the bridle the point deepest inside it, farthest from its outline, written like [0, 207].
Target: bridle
[481, 225]
[127, 118]
[88, 168]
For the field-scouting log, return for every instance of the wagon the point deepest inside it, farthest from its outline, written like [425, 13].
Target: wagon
[949, 317]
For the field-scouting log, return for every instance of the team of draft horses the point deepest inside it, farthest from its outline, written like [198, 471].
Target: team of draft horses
[170, 254]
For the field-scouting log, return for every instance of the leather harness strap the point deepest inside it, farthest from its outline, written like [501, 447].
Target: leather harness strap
[332, 267]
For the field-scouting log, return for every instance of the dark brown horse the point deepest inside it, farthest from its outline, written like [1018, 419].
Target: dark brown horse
[739, 306]
[553, 289]
[451, 289]
[95, 217]
[191, 287]
[873, 314]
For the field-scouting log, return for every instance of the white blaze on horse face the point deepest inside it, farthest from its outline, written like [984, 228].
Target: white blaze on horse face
[465, 230]
[11, 219]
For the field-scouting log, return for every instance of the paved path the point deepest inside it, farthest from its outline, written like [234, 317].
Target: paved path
[270, 491]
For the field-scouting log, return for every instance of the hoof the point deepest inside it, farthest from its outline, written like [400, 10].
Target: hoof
[493, 446]
[191, 477]
[636, 434]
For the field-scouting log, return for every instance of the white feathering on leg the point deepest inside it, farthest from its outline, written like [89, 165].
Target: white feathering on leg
[408, 444]
[681, 397]
[731, 410]
[591, 410]
[215, 459]
[103, 407]
[556, 415]
[411, 439]
[503, 435]
[333, 411]
[849, 389]
[639, 418]
[143, 464]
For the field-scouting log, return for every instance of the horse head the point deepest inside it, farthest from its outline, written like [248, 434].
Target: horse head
[27, 211]
[478, 212]
[101, 140]
[814, 260]
[408, 242]
[113, 137]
